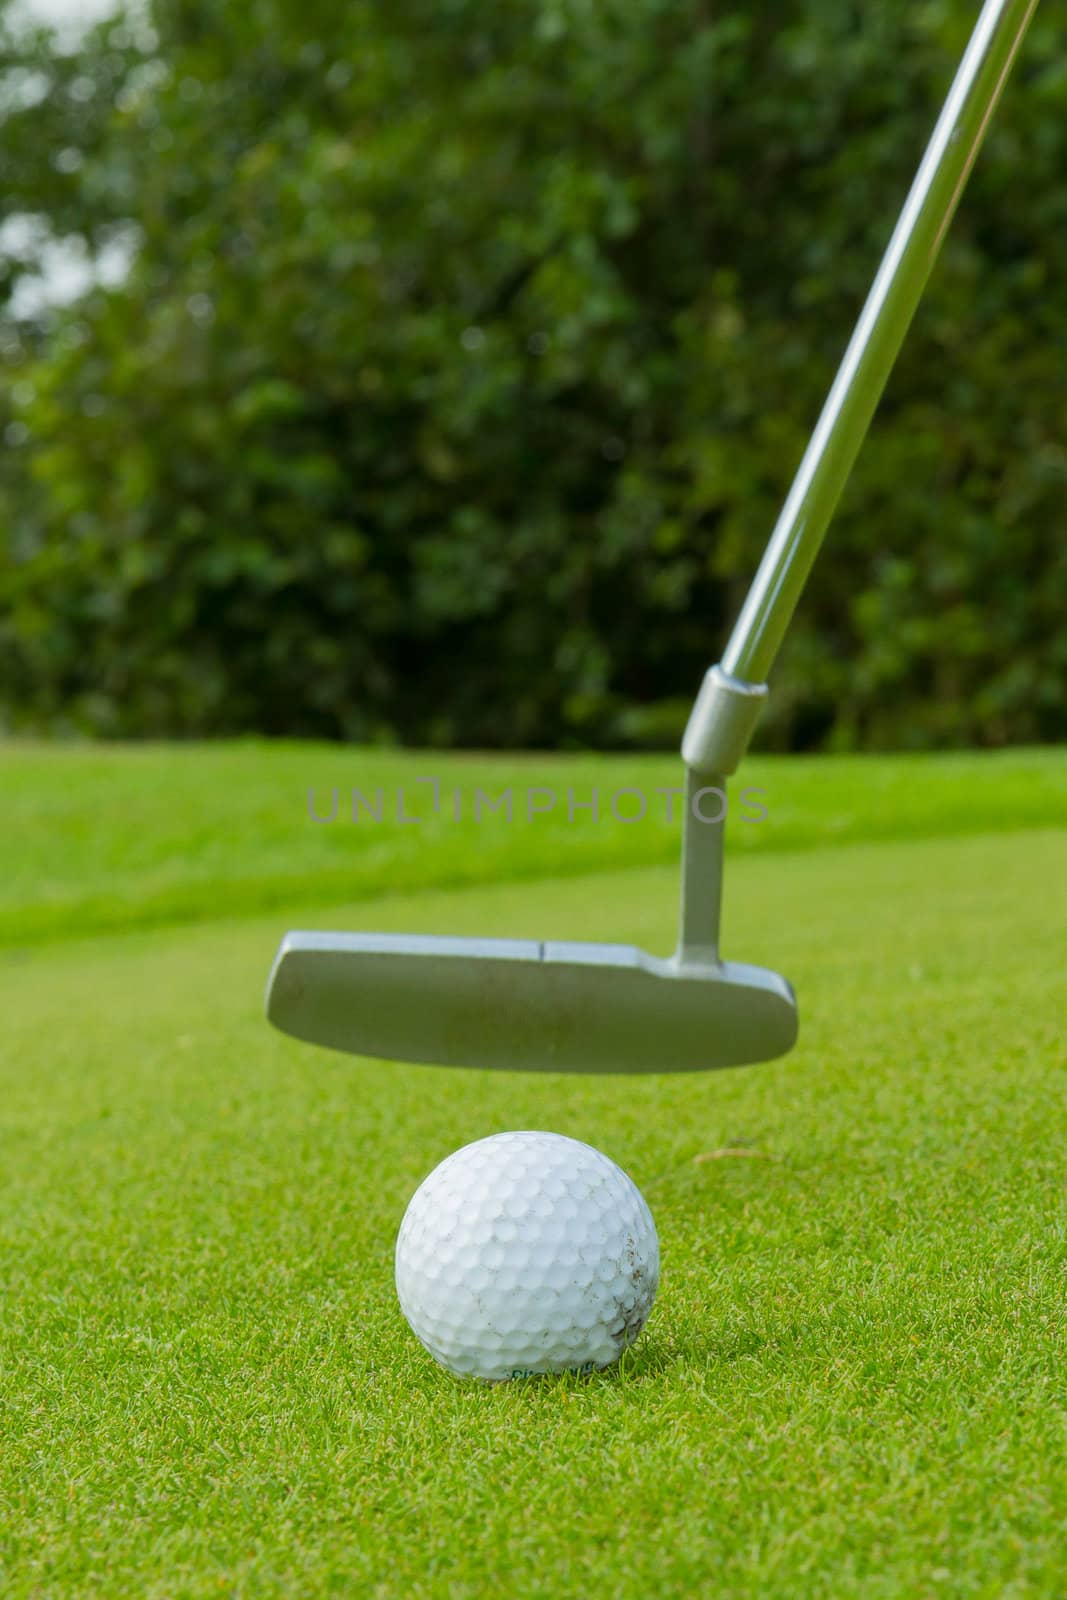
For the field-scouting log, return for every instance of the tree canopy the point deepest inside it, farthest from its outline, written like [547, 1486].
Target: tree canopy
[465, 354]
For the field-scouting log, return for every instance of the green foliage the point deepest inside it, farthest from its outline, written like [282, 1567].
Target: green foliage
[468, 352]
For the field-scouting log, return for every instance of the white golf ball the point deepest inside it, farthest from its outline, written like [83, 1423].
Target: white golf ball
[526, 1253]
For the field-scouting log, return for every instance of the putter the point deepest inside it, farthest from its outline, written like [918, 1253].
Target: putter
[562, 1007]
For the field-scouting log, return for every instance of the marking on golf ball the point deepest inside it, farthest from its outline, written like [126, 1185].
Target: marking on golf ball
[527, 1253]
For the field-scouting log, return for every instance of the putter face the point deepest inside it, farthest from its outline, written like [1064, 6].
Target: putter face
[520, 1005]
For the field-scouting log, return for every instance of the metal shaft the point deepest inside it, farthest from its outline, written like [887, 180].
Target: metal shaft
[879, 334]
[702, 842]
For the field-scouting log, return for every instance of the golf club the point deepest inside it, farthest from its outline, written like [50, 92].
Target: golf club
[563, 1007]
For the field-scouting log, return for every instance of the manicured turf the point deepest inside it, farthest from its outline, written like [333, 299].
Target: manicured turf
[103, 839]
[852, 1383]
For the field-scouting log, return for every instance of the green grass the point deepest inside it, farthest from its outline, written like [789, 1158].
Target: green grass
[852, 1382]
[115, 838]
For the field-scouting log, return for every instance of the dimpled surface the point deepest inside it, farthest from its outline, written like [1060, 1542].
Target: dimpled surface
[526, 1253]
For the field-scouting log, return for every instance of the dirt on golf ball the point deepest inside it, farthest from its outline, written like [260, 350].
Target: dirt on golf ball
[527, 1253]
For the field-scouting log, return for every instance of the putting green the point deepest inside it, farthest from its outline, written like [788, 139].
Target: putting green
[852, 1382]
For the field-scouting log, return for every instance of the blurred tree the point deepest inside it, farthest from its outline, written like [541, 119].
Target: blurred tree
[466, 355]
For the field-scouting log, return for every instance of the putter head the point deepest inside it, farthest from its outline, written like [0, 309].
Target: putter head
[522, 1005]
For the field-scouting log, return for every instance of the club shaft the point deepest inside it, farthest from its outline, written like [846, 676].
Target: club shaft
[874, 346]
[702, 852]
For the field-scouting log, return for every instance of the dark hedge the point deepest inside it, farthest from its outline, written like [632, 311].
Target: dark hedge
[467, 354]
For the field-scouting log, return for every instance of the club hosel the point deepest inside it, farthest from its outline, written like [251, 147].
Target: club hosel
[721, 722]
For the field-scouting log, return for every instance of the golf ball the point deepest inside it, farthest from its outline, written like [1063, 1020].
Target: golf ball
[526, 1253]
